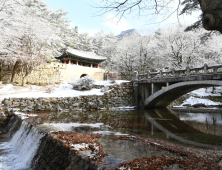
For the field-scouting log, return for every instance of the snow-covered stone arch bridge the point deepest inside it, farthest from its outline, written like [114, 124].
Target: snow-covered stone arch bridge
[159, 89]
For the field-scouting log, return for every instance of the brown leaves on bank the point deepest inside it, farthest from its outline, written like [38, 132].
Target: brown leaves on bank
[188, 158]
[162, 162]
[75, 138]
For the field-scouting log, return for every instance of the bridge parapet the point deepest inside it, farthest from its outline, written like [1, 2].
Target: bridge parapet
[158, 89]
[182, 72]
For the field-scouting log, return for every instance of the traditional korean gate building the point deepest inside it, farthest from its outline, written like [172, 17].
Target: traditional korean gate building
[82, 58]
[79, 63]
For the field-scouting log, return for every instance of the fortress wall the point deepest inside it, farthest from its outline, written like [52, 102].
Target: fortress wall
[52, 73]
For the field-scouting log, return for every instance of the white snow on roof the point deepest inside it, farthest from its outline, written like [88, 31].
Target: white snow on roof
[89, 55]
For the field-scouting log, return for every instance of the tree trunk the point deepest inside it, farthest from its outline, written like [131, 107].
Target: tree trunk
[14, 71]
[1, 71]
[28, 70]
[24, 79]
[212, 14]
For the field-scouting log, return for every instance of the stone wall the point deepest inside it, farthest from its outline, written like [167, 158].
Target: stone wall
[54, 155]
[51, 73]
[117, 96]
[43, 74]
[76, 71]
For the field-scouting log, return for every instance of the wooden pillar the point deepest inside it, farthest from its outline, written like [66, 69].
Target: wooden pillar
[69, 61]
[91, 64]
[77, 63]
[64, 61]
[98, 66]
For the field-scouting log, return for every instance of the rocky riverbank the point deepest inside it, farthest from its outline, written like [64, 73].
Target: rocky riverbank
[116, 96]
[187, 157]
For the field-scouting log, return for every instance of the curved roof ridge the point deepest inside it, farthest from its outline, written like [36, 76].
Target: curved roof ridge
[85, 54]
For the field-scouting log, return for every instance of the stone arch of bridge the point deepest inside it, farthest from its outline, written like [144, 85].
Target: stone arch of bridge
[167, 95]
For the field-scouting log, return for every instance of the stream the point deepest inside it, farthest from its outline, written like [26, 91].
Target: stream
[203, 130]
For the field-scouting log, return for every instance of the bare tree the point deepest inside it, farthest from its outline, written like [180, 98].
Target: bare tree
[2, 4]
[144, 8]
[132, 52]
[26, 39]
[33, 53]
[211, 18]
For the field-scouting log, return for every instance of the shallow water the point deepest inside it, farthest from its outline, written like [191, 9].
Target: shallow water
[158, 123]
[192, 129]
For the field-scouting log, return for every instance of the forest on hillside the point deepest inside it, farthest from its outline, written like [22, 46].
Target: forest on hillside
[31, 33]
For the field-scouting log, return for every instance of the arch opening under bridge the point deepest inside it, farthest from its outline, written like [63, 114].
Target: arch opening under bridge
[165, 96]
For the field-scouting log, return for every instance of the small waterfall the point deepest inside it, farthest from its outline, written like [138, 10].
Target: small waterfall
[14, 126]
[18, 153]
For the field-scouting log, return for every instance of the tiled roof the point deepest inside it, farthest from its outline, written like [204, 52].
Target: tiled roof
[82, 55]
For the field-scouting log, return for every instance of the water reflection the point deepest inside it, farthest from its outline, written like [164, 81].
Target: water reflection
[157, 123]
[129, 150]
[180, 131]
[210, 123]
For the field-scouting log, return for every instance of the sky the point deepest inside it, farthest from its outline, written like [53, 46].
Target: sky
[88, 19]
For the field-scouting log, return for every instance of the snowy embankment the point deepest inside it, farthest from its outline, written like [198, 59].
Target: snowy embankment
[63, 89]
[201, 96]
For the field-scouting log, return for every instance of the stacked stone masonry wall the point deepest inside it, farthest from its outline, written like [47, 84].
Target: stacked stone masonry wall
[117, 96]
[51, 73]
[43, 74]
[54, 155]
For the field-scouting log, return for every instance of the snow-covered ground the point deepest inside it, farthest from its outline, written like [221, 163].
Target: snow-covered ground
[194, 100]
[196, 96]
[207, 92]
[63, 89]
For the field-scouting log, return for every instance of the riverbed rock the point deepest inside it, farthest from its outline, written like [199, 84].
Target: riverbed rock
[198, 105]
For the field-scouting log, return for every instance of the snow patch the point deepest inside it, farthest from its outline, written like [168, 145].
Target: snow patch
[206, 92]
[194, 100]
[64, 89]
[24, 115]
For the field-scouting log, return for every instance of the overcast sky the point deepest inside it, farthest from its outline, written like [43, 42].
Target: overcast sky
[82, 14]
